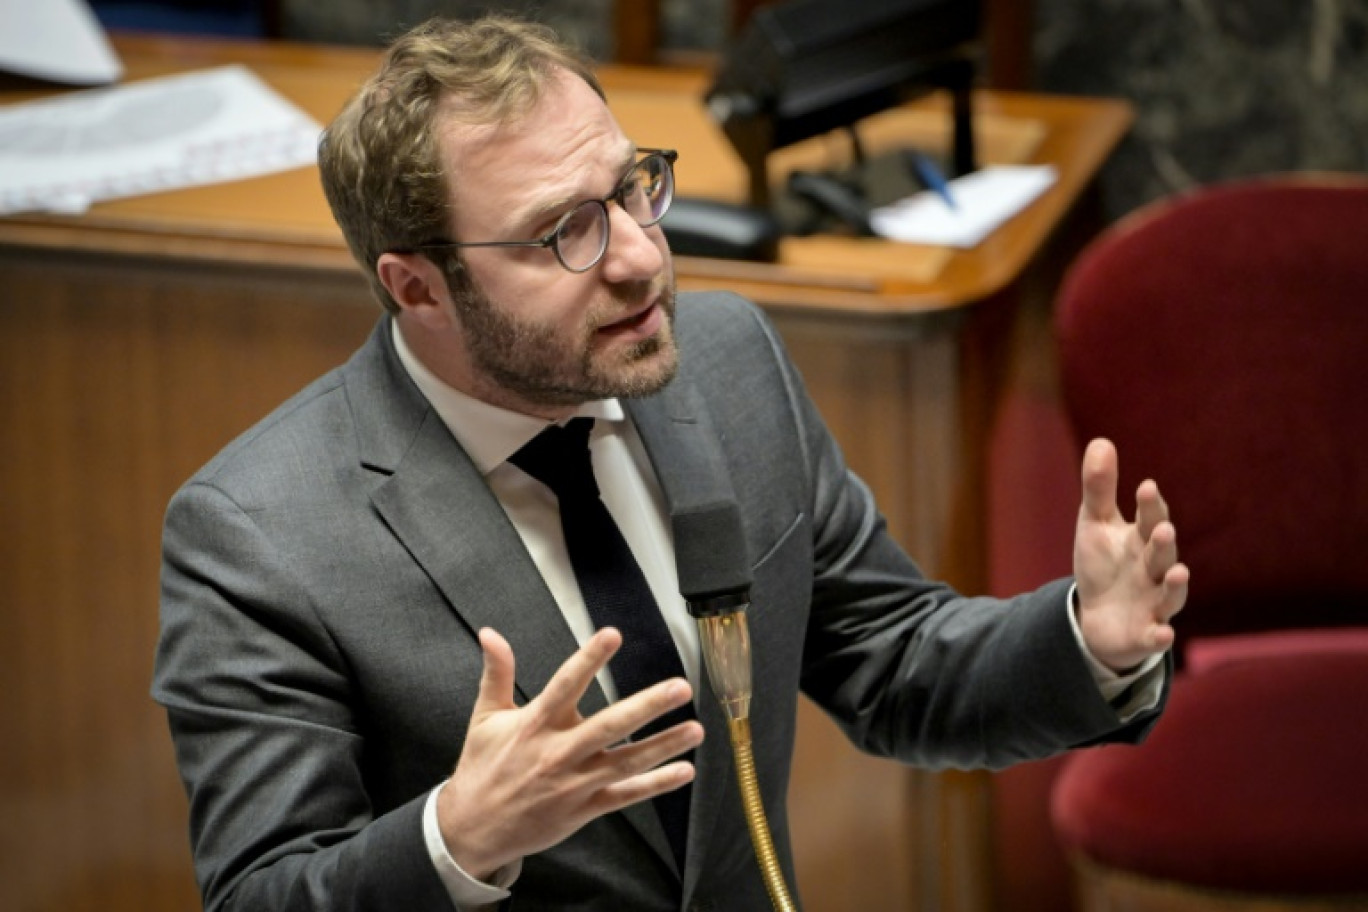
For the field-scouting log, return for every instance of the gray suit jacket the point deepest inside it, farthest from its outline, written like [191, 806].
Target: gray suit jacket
[324, 578]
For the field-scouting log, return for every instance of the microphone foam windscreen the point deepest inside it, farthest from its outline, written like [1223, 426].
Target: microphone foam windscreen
[710, 550]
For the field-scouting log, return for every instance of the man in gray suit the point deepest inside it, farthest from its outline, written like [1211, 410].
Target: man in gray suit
[346, 587]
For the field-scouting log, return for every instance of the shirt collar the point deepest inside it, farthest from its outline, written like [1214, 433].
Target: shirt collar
[487, 433]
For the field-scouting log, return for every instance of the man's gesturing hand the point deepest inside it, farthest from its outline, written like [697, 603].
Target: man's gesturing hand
[1130, 583]
[531, 776]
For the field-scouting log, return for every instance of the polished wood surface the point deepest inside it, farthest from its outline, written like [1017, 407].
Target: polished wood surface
[137, 339]
[284, 217]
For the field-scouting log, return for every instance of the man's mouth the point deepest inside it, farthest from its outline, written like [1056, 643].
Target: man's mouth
[643, 324]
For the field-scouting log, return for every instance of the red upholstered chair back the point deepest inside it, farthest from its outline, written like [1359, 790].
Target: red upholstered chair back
[1220, 339]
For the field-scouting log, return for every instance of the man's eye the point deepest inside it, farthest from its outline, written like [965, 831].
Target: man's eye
[542, 229]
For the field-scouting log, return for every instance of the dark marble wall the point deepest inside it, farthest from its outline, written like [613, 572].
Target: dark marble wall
[685, 24]
[1222, 88]
[376, 21]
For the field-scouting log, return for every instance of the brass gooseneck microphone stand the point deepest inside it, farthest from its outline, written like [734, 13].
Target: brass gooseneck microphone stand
[716, 586]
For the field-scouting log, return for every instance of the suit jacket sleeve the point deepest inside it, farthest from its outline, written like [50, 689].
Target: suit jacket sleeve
[906, 666]
[266, 741]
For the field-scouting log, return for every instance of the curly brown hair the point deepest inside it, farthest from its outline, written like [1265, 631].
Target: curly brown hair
[379, 159]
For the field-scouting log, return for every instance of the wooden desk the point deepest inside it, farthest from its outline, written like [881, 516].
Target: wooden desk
[139, 338]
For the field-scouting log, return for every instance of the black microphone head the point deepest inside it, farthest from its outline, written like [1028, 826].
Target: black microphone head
[710, 554]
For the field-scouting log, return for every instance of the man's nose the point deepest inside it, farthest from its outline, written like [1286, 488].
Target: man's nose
[633, 253]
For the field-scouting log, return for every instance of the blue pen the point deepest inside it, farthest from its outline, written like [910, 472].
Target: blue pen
[931, 176]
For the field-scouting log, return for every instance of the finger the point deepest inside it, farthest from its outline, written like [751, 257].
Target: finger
[1160, 637]
[632, 759]
[1176, 581]
[620, 721]
[643, 787]
[1099, 481]
[1161, 551]
[571, 680]
[496, 681]
[1150, 509]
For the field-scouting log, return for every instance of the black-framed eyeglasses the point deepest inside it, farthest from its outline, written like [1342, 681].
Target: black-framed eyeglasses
[580, 238]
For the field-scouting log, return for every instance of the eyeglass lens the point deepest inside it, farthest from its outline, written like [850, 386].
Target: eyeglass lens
[644, 194]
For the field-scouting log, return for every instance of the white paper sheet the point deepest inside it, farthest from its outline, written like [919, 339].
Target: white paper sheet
[222, 124]
[984, 199]
[60, 40]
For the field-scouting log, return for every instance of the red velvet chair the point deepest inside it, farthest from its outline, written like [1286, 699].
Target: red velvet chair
[1220, 339]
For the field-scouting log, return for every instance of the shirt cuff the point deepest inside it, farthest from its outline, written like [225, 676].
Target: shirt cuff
[1140, 690]
[467, 893]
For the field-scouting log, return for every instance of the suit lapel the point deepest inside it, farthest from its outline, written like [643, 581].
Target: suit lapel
[687, 458]
[439, 506]
[437, 503]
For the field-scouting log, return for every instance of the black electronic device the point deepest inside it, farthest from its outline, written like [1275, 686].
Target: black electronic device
[708, 228]
[830, 200]
[800, 68]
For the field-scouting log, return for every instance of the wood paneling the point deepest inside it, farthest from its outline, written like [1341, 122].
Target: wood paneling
[118, 378]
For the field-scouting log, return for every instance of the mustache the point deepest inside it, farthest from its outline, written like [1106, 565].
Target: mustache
[628, 298]
[630, 295]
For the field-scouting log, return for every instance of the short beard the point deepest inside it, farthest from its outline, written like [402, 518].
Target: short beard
[539, 367]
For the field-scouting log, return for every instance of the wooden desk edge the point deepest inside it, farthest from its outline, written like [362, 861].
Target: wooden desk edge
[969, 276]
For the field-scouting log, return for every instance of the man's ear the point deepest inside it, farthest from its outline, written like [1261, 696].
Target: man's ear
[417, 285]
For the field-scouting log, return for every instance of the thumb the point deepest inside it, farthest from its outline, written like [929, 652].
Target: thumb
[496, 682]
[1099, 481]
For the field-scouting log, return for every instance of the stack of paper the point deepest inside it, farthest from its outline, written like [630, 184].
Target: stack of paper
[983, 200]
[60, 40]
[62, 154]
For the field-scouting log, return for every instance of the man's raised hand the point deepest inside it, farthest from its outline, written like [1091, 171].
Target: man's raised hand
[1130, 583]
[530, 776]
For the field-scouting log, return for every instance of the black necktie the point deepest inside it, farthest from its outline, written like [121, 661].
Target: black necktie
[614, 588]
